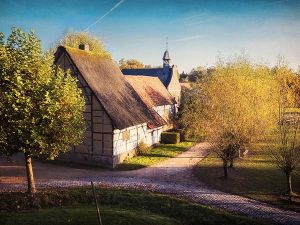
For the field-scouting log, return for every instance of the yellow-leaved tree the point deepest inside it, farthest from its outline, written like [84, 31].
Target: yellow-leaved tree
[233, 107]
[286, 145]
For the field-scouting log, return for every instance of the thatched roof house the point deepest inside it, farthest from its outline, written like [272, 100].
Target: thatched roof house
[111, 88]
[118, 114]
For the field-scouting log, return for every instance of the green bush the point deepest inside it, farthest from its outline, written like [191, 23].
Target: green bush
[142, 148]
[170, 137]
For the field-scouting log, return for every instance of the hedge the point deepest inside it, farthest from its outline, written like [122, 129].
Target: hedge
[170, 137]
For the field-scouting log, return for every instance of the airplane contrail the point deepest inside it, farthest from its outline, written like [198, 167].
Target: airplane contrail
[108, 12]
[191, 38]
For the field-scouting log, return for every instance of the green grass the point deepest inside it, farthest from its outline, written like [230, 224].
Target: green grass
[154, 155]
[58, 206]
[86, 216]
[256, 177]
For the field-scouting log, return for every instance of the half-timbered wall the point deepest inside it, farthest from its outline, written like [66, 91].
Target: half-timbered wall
[97, 145]
[128, 139]
[125, 141]
[153, 136]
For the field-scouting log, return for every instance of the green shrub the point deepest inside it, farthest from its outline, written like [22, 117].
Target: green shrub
[170, 137]
[142, 148]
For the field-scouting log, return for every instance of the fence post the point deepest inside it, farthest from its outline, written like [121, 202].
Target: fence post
[96, 202]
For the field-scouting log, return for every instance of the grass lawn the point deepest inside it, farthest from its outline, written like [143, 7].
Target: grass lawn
[117, 206]
[155, 155]
[255, 176]
[86, 216]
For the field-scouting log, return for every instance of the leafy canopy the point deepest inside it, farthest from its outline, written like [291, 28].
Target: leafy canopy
[130, 64]
[289, 84]
[74, 39]
[239, 100]
[40, 106]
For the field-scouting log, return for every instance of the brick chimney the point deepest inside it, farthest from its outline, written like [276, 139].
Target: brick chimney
[84, 47]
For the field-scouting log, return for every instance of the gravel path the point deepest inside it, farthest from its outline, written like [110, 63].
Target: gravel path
[173, 176]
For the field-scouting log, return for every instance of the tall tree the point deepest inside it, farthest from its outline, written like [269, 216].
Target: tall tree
[40, 106]
[286, 150]
[233, 107]
[183, 77]
[130, 64]
[74, 39]
[197, 74]
[286, 147]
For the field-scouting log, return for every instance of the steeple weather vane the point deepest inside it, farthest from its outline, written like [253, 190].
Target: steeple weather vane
[167, 43]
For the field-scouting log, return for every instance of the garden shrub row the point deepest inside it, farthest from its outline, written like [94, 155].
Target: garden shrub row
[170, 137]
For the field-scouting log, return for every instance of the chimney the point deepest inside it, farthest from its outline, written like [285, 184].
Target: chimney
[84, 47]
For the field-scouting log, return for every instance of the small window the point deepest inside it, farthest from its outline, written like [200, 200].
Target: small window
[126, 135]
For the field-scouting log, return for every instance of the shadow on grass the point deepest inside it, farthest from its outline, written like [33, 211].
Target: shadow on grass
[261, 183]
[129, 166]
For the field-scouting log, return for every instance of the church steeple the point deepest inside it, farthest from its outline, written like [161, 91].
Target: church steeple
[166, 58]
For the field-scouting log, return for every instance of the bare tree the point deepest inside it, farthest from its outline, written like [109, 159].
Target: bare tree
[287, 151]
[286, 148]
[227, 148]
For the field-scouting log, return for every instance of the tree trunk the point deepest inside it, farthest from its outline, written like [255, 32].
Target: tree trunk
[289, 186]
[29, 172]
[231, 164]
[225, 168]
[289, 183]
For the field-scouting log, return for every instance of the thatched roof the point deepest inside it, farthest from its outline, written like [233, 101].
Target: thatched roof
[119, 99]
[151, 72]
[151, 90]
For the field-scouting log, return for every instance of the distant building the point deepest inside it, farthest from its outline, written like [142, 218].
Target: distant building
[168, 75]
[121, 111]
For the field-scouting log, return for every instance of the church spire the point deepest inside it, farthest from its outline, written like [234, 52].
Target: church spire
[166, 57]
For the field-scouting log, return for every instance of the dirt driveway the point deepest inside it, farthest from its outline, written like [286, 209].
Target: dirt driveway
[178, 168]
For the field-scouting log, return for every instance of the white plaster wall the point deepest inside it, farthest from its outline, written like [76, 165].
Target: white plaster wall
[138, 134]
[161, 110]
[153, 136]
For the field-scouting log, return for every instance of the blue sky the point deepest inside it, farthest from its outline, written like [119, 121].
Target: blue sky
[198, 31]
